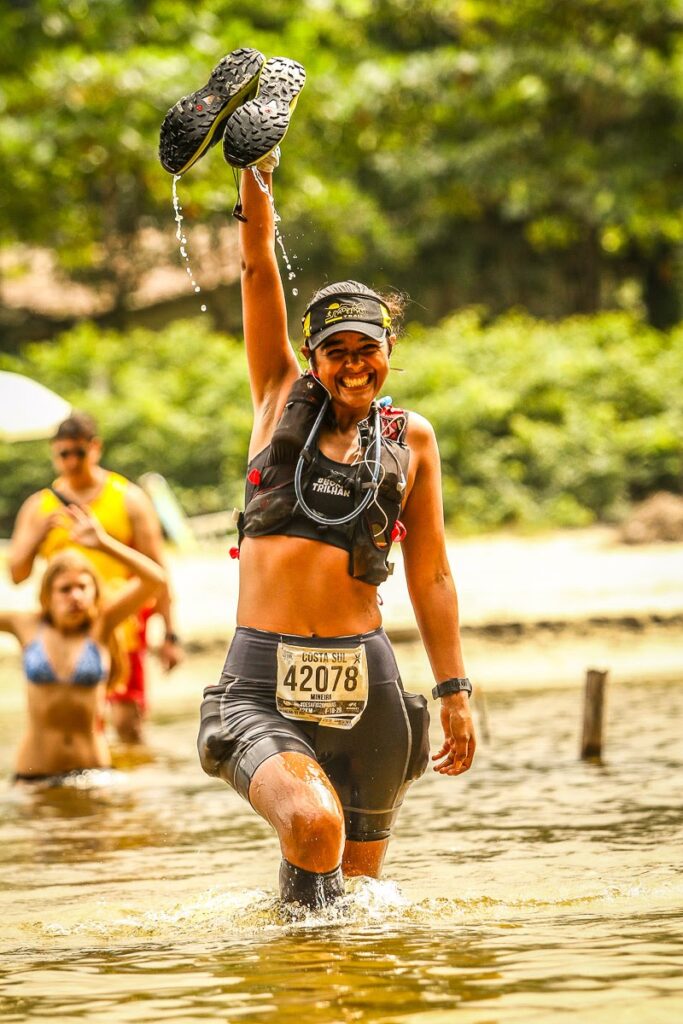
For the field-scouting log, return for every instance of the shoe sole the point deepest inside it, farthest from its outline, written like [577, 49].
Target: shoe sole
[259, 125]
[192, 125]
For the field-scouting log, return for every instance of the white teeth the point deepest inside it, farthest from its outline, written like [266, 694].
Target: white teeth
[355, 382]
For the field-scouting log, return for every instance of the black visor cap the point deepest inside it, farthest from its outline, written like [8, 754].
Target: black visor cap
[359, 313]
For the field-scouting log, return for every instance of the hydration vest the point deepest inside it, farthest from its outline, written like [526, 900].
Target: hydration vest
[271, 506]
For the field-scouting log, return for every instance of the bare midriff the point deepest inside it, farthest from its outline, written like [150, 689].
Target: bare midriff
[303, 587]
[64, 732]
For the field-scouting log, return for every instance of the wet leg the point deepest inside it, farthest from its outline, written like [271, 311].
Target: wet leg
[126, 717]
[291, 791]
[364, 858]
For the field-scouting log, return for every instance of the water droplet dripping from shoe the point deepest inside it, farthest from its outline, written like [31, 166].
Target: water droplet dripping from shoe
[182, 237]
[276, 218]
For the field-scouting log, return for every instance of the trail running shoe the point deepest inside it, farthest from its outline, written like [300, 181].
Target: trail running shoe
[260, 124]
[196, 121]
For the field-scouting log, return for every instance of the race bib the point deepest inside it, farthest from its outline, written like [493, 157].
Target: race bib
[327, 685]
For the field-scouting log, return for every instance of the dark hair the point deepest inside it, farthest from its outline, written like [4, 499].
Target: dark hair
[393, 300]
[78, 426]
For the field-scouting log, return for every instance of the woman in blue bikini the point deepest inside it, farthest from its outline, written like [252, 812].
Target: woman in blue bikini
[69, 653]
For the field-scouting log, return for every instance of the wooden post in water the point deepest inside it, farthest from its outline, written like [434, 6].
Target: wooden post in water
[593, 707]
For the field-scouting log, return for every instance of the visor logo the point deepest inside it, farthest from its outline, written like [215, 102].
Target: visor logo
[368, 311]
[344, 311]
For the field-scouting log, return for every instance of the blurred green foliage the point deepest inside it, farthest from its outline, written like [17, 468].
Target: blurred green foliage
[548, 424]
[472, 153]
[538, 424]
[464, 150]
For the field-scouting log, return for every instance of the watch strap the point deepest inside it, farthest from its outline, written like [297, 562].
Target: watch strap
[449, 686]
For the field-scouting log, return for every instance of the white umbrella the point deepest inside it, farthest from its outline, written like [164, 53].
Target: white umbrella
[28, 410]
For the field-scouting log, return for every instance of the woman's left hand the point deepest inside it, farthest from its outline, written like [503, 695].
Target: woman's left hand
[459, 742]
[85, 528]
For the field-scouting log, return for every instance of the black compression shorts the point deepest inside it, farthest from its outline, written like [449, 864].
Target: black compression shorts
[370, 765]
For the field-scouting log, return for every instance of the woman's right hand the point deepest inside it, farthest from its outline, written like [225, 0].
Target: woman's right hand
[86, 530]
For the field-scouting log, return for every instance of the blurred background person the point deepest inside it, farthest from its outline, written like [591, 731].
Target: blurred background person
[127, 515]
[70, 650]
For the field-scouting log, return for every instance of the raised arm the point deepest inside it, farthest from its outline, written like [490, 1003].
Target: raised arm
[272, 363]
[148, 576]
[30, 530]
[433, 595]
[21, 624]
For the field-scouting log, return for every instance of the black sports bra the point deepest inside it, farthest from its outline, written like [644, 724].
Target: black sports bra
[334, 489]
[330, 487]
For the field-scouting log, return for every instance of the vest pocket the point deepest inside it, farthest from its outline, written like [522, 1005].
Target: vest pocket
[418, 716]
[268, 511]
[304, 402]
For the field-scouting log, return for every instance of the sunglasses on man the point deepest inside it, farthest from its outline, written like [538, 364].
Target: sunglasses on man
[78, 453]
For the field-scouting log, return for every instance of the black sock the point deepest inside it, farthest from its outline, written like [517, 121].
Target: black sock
[314, 889]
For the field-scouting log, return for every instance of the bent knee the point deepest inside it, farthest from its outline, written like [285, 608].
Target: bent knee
[294, 795]
[316, 832]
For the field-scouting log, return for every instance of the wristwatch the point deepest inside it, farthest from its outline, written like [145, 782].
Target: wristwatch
[449, 686]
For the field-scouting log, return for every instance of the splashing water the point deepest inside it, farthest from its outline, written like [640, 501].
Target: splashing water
[182, 238]
[368, 903]
[213, 912]
[291, 274]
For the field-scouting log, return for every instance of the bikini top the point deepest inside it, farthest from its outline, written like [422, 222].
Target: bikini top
[89, 669]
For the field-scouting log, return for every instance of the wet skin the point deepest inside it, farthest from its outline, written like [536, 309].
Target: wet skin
[293, 794]
[286, 582]
[284, 589]
[65, 730]
[303, 587]
[65, 725]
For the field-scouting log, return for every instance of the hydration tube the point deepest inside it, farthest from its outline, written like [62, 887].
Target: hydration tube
[317, 517]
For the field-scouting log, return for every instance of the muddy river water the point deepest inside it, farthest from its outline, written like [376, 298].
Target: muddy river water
[536, 888]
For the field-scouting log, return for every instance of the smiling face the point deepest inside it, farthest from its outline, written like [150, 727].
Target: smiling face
[353, 367]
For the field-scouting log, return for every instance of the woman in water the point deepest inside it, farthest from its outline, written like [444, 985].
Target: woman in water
[310, 722]
[69, 653]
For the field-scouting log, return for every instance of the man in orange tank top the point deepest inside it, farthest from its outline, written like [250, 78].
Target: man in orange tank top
[126, 513]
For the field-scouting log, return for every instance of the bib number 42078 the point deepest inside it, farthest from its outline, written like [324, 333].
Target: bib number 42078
[322, 684]
[321, 678]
